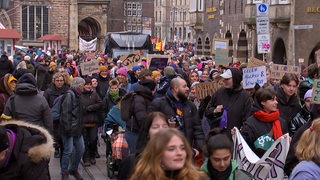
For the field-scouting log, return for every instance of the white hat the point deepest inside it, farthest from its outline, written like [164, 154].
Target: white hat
[27, 58]
[227, 74]
[308, 94]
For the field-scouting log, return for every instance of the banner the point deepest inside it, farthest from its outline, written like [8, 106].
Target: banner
[89, 67]
[253, 76]
[87, 45]
[278, 70]
[270, 166]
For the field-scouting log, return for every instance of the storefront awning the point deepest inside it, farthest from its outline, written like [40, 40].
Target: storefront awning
[9, 34]
[51, 37]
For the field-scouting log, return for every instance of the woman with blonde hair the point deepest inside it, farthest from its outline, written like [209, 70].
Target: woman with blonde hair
[167, 156]
[308, 153]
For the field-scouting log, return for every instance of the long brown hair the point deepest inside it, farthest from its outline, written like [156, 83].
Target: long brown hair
[149, 166]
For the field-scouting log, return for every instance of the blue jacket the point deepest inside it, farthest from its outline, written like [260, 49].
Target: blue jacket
[306, 170]
[113, 117]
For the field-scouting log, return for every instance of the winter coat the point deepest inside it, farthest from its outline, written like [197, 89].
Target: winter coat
[300, 119]
[5, 66]
[253, 128]
[234, 165]
[103, 85]
[192, 122]
[108, 101]
[141, 102]
[236, 100]
[288, 107]
[27, 104]
[5, 91]
[91, 103]
[53, 92]
[41, 76]
[113, 117]
[71, 121]
[306, 170]
[31, 152]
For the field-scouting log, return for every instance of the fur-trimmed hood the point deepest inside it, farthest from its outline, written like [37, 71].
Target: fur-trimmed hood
[37, 139]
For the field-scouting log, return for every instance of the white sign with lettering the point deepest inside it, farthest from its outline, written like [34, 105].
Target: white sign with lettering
[253, 76]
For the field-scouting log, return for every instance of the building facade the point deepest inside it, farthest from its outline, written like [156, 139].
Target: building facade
[293, 28]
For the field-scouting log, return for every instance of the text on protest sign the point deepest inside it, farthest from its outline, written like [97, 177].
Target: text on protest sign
[132, 59]
[155, 62]
[206, 89]
[253, 76]
[278, 70]
[89, 67]
[270, 166]
[316, 92]
[254, 62]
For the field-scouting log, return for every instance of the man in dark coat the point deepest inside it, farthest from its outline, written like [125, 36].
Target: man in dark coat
[230, 99]
[5, 65]
[178, 108]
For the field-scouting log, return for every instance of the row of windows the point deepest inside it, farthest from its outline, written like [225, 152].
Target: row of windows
[133, 6]
[175, 2]
[35, 22]
[134, 19]
[132, 12]
[134, 28]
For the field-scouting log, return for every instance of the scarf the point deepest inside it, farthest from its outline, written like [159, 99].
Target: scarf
[270, 117]
[214, 174]
[114, 95]
[12, 140]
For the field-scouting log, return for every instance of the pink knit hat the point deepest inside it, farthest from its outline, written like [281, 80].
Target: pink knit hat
[122, 71]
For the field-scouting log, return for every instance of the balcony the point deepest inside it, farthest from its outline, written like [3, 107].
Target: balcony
[278, 13]
[196, 20]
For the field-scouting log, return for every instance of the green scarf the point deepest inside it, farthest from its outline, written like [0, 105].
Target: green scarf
[114, 95]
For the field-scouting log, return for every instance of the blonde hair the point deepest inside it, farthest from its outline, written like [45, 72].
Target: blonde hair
[149, 166]
[308, 147]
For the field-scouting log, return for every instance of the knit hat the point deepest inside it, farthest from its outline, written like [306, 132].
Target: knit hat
[122, 71]
[87, 81]
[155, 73]
[27, 78]
[4, 142]
[103, 68]
[52, 65]
[151, 84]
[27, 58]
[169, 71]
[308, 94]
[135, 68]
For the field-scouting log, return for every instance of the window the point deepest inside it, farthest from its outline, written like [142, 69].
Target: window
[134, 12]
[160, 15]
[129, 28]
[134, 6]
[139, 6]
[129, 12]
[129, 5]
[139, 13]
[35, 22]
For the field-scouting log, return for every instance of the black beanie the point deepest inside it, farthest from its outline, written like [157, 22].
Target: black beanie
[151, 84]
[27, 78]
[87, 81]
[4, 143]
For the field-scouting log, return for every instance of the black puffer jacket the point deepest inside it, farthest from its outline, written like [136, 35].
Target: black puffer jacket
[192, 122]
[53, 92]
[253, 128]
[71, 121]
[103, 85]
[5, 66]
[91, 103]
[288, 107]
[299, 120]
[141, 102]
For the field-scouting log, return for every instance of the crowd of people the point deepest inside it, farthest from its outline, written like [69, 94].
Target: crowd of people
[166, 132]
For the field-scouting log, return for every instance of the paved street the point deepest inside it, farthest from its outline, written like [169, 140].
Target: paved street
[94, 172]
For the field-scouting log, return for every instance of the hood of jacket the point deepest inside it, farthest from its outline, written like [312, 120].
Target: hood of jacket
[26, 85]
[236, 78]
[39, 141]
[143, 91]
[4, 88]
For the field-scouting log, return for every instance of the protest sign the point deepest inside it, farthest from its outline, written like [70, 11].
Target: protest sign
[89, 67]
[278, 70]
[222, 57]
[218, 43]
[132, 59]
[253, 76]
[155, 62]
[270, 166]
[316, 92]
[206, 89]
[254, 62]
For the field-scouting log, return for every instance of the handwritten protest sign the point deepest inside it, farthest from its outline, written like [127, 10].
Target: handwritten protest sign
[132, 59]
[254, 62]
[218, 43]
[222, 57]
[155, 62]
[316, 92]
[206, 89]
[270, 166]
[253, 76]
[278, 70]
[89, 67]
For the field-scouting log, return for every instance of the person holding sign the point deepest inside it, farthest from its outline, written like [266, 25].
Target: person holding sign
[265, 125]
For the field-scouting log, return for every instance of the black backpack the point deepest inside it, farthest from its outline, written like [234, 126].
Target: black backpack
[126, 106]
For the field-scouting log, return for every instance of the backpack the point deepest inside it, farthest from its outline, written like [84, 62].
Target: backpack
[56, 108]
[126, 106]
